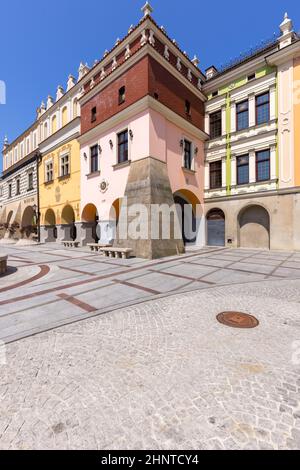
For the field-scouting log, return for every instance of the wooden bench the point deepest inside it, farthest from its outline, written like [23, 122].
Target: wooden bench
[70, 244]
[97, 246]
[117, 252]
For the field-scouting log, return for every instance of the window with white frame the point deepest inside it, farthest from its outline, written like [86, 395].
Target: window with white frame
[64, 165]
[30, 180]
[49, 171]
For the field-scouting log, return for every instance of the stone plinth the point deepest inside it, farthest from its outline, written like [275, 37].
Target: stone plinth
[148, 184]
[3, 264]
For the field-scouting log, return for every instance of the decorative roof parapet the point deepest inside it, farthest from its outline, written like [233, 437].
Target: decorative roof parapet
[147, 9]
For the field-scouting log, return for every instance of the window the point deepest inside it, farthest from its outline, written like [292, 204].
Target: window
[242, 115]
[64, 166]
[215, 93]
[262, 108]
[30, 181]
[49, 172]
[17, 186]
[251, 77]
[122, 93]
[215, 124]
[215, 174]
[64, 116]
[242, 164]
[94, 114]
[94, 159]
[187, 155]
[10, 190]
[263, 165]
[187, 107]
[123, 147]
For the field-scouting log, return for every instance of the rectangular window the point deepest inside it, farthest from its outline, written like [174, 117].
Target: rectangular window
[187, 107]
[122, 92]
[263, 165]
[262, 103]
[30, 181]
[17, 186]
[215, 174]
[242, 165]
[94, 114]
[187, 155]
[64, 166]
[215, 124]
[94, 159]
[242, 115]
[123, 147]
[10, 190]
[49, 172]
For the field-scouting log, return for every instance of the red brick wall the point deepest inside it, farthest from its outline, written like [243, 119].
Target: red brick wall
[145, 77]
[136, 82]
[172, 93]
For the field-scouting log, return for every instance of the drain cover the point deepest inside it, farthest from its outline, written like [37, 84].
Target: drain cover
[237, 320]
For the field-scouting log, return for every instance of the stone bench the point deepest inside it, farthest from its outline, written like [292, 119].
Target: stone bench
[117, 252]
[97, 246]
[70, 244]
[3, 264]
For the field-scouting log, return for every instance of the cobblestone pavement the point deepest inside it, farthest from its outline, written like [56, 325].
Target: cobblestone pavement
[162, 373]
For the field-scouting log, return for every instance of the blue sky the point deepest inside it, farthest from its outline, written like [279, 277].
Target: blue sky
[41, 43]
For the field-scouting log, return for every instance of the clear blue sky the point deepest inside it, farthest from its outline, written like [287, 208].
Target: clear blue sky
[42, 42]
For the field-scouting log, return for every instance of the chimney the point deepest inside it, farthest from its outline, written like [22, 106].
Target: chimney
[211, 72]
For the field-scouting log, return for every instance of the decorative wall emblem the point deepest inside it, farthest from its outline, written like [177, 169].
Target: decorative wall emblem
[103, 186]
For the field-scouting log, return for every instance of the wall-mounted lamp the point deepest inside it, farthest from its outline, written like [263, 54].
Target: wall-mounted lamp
[181, 143]
[85, 156]
[131, 134]
[100, 148]
[111, 144]
[196, 150]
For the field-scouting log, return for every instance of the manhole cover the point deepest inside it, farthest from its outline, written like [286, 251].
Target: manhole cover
[237, 320]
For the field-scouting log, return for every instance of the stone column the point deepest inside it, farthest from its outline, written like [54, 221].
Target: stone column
[233, 116]
[224, 130]
[85, 232]
[106, 232]
[47, 233]
[206, 176]
[61, 233]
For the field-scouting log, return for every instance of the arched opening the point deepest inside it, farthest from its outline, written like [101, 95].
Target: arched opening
[215, 228]
[50, 225]
[115, 210]
[50, 219]
[188, 208]
[64, 116]
[54, 124]
[254, 227]
[68, 219]
[28, 223]
[90, 219]
[75, 108]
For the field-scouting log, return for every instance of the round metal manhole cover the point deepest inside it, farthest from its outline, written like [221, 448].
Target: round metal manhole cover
[237, 320]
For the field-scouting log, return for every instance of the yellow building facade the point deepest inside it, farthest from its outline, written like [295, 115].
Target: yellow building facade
[59, 192]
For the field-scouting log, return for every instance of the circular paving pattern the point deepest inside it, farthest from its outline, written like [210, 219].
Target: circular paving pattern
[237, 320]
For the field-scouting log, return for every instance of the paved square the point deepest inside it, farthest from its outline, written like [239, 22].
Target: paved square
[139, 360]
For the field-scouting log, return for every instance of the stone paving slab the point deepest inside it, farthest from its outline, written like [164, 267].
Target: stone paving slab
[161, 375]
